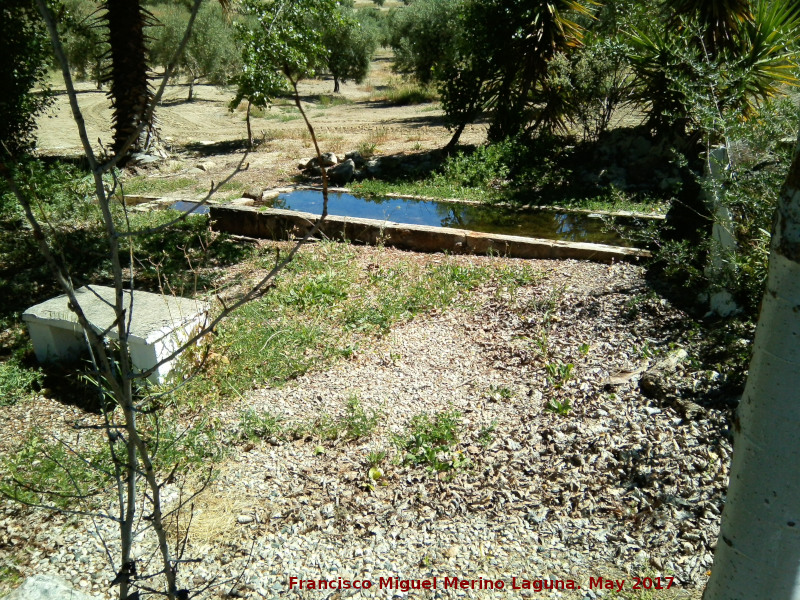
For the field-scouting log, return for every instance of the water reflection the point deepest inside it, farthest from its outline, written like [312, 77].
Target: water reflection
[196, 207]
[483, 218]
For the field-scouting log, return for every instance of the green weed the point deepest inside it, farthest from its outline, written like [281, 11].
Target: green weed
[431, 441]
[499, 392]
[367, 149]
[149, 186]
[259, 426]
[376, 457]
[562, 408]
[326, 100]
[358, 423]
[558, 373]
[45, 470]
[17, 382]
[486, 434]
[10, 573]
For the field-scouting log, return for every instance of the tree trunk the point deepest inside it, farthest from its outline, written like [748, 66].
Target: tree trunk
[191, 90]
[758, 551]
[130, 91]
[249, 129]
[335, 84]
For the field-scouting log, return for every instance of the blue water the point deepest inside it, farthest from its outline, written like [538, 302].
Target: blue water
[183, 206]
[485, 218]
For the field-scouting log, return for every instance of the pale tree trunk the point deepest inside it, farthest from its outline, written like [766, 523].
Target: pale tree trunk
[249, 127]
[758, 551]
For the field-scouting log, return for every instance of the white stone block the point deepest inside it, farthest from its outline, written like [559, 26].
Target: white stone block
[158, 325]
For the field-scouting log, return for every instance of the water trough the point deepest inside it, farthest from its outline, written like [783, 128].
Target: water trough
[281, 224]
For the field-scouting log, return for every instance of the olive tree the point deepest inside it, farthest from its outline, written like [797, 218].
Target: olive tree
[424, 37]
[281, 43]
[210, 55]
[85, 40]
[350, 45]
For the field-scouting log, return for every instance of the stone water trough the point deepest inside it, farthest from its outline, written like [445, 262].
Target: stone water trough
[159, 325]
[279, 224]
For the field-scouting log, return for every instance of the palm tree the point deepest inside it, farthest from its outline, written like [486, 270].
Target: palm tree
[130, 91]
[720, 20]
[129, 75]
[502, 63]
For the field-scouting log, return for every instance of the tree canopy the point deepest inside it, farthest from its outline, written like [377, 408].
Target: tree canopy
[24, 57]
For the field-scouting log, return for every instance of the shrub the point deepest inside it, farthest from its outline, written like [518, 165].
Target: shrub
[24, 53]
[760, 157]
[410, 93]
[17, 382]
[487, 166]
[592, 83]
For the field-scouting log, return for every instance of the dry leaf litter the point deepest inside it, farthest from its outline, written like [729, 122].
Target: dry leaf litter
[619, 485]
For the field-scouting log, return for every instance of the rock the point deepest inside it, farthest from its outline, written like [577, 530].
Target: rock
[356, 157]
[45, 587]
[373, 167]
[141, 159]
[244, 519]
[343, 172]
[329, 159]
[657, 383]
[206, 165]
[268, 195]
[723, 304]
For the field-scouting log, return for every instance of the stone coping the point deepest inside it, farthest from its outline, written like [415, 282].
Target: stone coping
[280, 224]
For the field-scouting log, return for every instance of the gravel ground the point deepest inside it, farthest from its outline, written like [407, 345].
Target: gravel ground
[619, 487]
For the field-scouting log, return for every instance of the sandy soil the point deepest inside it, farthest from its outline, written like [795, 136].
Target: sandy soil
[206, 129]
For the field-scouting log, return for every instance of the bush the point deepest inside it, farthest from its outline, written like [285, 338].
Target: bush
[24, 54]
[406, 94]
[760, 157]
[591, 84]
[487, 166]
[17, 382]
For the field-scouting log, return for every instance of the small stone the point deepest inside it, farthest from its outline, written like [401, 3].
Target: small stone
[245, 519]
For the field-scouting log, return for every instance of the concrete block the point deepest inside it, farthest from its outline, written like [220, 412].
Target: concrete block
[46, 587]
[158, 325]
